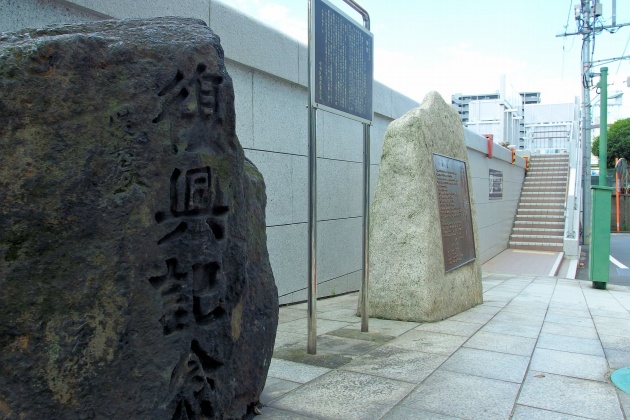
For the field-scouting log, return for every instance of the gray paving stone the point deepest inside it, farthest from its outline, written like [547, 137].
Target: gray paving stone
[577, 397]
[287, 339]
[569, 312]
[624, 399]
[397, 363]
[570, 344]
[465, 329]
[569, 330]
[508, 328]
[611, 314]
[401, 412]
[525, 309]
[568, 320]
[488, 364]
[465, 396]
[300, 326]
[502, 343]
[288, 314]
[343, 315]
[275, 414]
[428, 342]
[386, 326]
[612, 326]
[345, 395]
[614, 342]
[618, 358]
[295, 372]
[276, 388]
[494, 303]
[477, 317]
[533, 303]
[519, 318]
[523, 412]
[570, 364]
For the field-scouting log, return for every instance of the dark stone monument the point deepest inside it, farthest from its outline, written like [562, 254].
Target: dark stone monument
[134, 275]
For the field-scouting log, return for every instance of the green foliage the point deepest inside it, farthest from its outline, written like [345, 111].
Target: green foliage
[618, 142]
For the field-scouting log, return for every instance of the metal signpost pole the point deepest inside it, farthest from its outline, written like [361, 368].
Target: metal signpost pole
[312, 199]
[342, 84]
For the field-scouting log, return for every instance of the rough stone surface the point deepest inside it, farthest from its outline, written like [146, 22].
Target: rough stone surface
[134, 274]
[407, 275]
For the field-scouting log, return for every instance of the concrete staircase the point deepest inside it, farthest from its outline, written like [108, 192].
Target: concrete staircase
[539, 223]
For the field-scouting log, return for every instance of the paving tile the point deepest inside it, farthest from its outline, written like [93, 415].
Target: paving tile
[502, 343]
[290, 314]
[300, 326]
[401, 412]
[624, 399]
[345, 395]
[448, 326]
[577, 397]
[494, 303]
[570, 344]
[610, 314]
[519, 318]
[526, 309]
[618, 358]
[276, 388]
[386, 326]
[295, 372]
[568, 320]
[570, 364]
[612, 326]
[460, 395]
[488, 364]
[569, 330]
[508, 328]
[356, 334]
[343, 315]
[286, 338]
[397, 363]
[477, 317]
[523, 412]
[533, 303]
[428, 342]
[614, 342]
[275, 414]
[569, 312]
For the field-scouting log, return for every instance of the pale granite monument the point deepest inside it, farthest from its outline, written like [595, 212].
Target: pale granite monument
[423, 233]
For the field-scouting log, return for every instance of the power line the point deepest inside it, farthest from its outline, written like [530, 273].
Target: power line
[622, 54]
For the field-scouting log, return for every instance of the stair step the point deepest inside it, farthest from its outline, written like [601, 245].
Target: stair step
[529, 182]
[537, 238]
[545, 224]
[539, 218]
[559, 194]
[537, 231]
[536, 246]
[550, 210]
[531, 200]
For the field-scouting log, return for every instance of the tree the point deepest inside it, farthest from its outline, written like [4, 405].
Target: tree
[618, 142]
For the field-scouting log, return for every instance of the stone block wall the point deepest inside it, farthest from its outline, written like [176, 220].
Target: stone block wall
[269, 71]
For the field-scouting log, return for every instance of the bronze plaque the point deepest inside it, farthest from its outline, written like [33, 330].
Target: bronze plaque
[451, 182]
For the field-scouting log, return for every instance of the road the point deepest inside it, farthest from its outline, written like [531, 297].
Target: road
[619, 273]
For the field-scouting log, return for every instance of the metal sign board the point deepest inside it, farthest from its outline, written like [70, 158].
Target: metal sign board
[495, 184]
[451, 182]
[343, 62]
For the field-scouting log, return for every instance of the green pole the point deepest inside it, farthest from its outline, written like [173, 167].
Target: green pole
[603, 126]
[600, 240]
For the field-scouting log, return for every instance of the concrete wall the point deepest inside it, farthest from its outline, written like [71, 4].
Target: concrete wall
[269, 71]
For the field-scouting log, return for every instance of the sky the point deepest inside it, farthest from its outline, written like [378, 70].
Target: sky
[464, 46]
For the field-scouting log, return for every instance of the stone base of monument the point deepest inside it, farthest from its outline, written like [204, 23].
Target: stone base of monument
[423, 233]
[134, 276]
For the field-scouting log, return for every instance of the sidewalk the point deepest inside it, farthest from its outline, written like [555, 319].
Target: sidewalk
[537, 348]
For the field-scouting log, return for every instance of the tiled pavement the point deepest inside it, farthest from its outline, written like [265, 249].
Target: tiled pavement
[537, 348]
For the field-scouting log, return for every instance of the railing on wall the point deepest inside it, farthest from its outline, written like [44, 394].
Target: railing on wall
[572, 203]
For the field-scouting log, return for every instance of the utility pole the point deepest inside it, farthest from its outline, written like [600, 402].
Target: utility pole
[586, 15]
[585, 11]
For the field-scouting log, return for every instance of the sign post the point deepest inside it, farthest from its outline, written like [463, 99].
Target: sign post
[340, 77]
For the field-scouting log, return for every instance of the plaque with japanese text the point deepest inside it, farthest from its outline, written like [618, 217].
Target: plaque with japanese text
[342, 63]
[451, 181]
[495, 184]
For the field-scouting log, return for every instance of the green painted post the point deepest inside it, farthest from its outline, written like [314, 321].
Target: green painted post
[600, 222]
